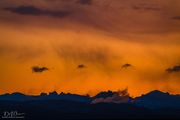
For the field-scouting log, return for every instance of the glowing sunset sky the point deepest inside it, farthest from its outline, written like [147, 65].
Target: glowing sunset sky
[85, 43]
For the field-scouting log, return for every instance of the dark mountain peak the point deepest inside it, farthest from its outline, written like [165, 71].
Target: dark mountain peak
[62, 93]
[43, 94]
[18, 94]
[5, 94]
[104, 94]
[156, 93]
[53, 93]
[158, 99]
[14, 96]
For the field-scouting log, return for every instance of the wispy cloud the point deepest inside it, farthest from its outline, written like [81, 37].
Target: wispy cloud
[71, 53]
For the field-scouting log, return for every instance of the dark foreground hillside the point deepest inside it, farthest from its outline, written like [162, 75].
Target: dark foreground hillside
[59, 109]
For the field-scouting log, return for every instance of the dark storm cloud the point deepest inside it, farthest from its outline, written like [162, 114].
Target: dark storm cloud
[97, 17]
[173, 69]
[127, 65]
[85, 2]
[31, 10]
[38, 69]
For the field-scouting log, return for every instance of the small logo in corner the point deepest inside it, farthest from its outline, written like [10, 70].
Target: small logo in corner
[13, 114]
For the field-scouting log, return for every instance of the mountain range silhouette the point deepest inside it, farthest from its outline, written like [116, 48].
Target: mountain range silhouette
[155, 104]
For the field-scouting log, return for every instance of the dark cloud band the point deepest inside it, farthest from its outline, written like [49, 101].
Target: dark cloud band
[85, 2]
[31, 10]
[176, 18]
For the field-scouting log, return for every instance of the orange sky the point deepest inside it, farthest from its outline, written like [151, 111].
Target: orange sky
[101, 34]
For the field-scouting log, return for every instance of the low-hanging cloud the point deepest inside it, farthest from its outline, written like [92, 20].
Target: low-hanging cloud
[121, 96]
